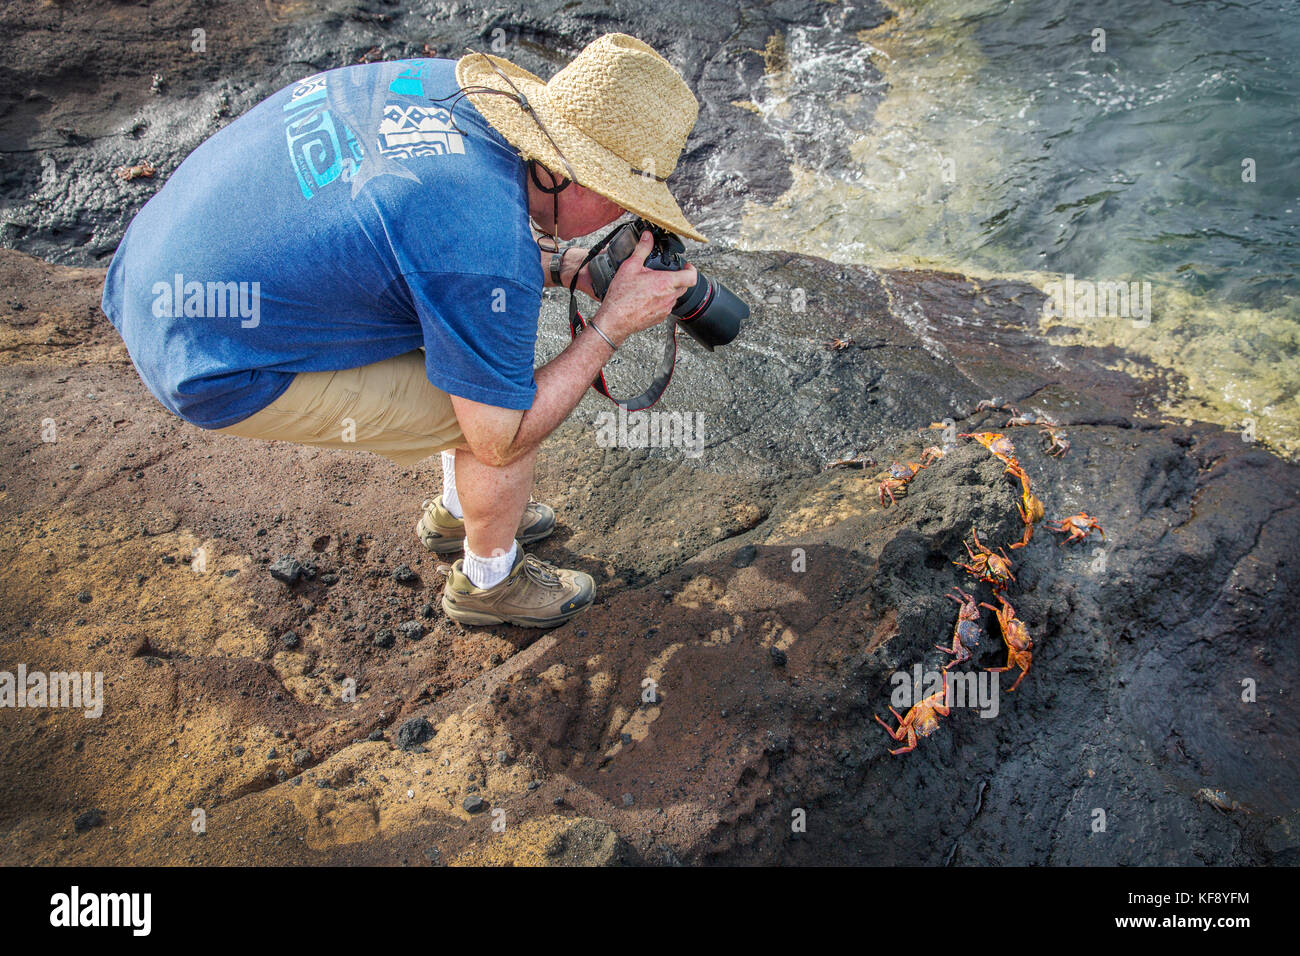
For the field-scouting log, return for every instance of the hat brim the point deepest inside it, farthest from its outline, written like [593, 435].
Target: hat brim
[597, 168]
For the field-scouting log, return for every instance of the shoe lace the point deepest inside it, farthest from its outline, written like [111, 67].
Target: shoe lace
[541, 572]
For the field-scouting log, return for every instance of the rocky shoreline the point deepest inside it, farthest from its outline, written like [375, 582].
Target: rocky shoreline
[769, 599]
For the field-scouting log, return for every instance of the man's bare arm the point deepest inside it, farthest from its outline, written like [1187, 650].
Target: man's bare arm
[638, 298]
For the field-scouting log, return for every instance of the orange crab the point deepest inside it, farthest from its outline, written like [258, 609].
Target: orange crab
[896, 483]
[838, 345]
[993, 567]
[1076, 527]
[921, 721]
[1020, 646]
[1056, 443]
[966, 633]
[998, 444]
[1031, 509]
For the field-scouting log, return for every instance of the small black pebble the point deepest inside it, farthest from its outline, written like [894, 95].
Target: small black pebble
[88, 820]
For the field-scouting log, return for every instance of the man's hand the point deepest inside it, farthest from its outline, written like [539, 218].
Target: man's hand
[639, 298]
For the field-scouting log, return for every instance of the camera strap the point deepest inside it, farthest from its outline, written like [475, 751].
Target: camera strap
[667, 362]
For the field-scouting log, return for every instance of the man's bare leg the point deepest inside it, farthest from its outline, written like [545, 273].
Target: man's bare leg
[480, 588]
[493, 500]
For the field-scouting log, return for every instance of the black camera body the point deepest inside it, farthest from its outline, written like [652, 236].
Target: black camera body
[709, 311]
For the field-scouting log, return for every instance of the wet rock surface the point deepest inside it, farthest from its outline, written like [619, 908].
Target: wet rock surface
[754, 607]
[82, 96]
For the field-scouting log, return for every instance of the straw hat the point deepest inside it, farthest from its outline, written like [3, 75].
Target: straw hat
[619, 113]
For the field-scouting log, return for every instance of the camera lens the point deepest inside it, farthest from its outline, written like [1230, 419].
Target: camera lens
[710, 312]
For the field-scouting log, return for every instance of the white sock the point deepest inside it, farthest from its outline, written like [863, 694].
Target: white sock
[487, 572]
[450, 500]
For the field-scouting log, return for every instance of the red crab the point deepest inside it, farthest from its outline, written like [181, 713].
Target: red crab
[921, 721]
[966, 633]
[1076, 527]
[838, 344]
[995, 568]
[1020, 646]
[896, 483]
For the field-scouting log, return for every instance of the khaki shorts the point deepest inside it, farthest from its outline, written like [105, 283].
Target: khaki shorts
[388, 407]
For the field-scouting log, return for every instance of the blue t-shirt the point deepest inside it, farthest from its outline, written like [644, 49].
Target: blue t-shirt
[340, 222]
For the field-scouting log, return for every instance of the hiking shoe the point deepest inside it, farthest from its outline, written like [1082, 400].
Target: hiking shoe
[534, 594]
[443, 533]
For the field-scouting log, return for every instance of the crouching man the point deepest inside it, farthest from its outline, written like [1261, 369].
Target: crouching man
[351, 265]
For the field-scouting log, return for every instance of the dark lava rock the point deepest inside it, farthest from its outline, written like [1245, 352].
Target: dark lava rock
[403, 574]
[286, 569]
[302, 757]
[744, 556]
[777, 655]
[88, 820]
[84, 597]
[474, 803]
[411, 630]
[375, 735]
[385, 637]
[426, 611]
[289, 640]
[329, 577]
[414, 732]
